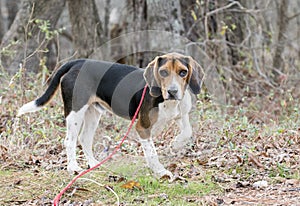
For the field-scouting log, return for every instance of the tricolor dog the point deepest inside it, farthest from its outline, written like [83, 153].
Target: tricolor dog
[90, 87]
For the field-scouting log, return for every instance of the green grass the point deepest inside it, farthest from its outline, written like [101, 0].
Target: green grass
[19, 186]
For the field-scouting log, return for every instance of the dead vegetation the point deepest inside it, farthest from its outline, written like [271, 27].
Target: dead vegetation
[246, 154]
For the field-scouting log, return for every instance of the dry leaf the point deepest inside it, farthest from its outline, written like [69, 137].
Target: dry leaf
[172, 167]
[130, 185]
[279, 179]
[255, 160]
[292, 182]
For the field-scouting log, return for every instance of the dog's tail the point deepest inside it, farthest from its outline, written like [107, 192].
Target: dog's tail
[49, 93]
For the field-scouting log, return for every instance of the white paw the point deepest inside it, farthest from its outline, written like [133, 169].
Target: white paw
[74, 168]
[180, 143]
[176, 146]
[165, 174]
[92, 163]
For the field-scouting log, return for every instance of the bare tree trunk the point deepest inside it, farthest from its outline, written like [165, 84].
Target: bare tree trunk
[86, 26]
[24, 41]
[116, 26]
[235, 26]
[137, 21]
[298, 31]
[1, 24]
[165, 15]
[146, 15]
[220, 51]
[106, 18]
[12, 9]
[283, 25]
[192, 12]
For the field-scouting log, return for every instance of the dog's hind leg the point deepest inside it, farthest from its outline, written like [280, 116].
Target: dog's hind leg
[74, 123]
[91, 119]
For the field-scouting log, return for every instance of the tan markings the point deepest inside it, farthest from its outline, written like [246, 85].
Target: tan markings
[169, 74]
[145, 122]
[94, 99]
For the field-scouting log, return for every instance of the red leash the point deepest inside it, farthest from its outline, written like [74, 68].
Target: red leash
[57, 198]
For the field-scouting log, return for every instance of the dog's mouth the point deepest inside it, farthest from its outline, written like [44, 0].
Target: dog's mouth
[172, 97]
[168, 96]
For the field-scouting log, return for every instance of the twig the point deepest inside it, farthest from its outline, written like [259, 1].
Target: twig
[106, 187]
[294, 16]
[256, 64]
[242, 9]
[225, 7]
[57, 50]
[26, 35]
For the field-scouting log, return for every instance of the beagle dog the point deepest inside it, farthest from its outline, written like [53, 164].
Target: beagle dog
[90, 87]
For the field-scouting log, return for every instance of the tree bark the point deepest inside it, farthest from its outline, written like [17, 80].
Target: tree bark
[162, 16]
[24, 42]
[144, 15]
[12, 10]
[137, 21]
[86, 27]
[1, 24]
[235, 24]
[283, 25]
[192, 13]
[107, 10]
[165, 15]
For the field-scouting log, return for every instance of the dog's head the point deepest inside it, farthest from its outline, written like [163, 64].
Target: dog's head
[170, 74]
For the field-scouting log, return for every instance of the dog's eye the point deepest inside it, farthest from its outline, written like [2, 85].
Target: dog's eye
[163, 73]
[183, 73]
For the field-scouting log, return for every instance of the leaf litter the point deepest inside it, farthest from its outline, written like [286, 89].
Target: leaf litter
[256, 164]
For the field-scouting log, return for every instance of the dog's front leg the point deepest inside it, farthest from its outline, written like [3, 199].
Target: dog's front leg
[149, 148]
[185, 136]
[152, 158]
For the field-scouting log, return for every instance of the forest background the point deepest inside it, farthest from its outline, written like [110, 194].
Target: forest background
[246, 118]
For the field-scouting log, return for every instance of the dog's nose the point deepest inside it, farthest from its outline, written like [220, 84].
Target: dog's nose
[173, 92]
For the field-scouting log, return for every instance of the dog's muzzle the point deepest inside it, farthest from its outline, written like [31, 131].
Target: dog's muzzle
[173, 94]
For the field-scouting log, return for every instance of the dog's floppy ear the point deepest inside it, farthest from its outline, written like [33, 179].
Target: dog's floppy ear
[195, 81]
[150, 75]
